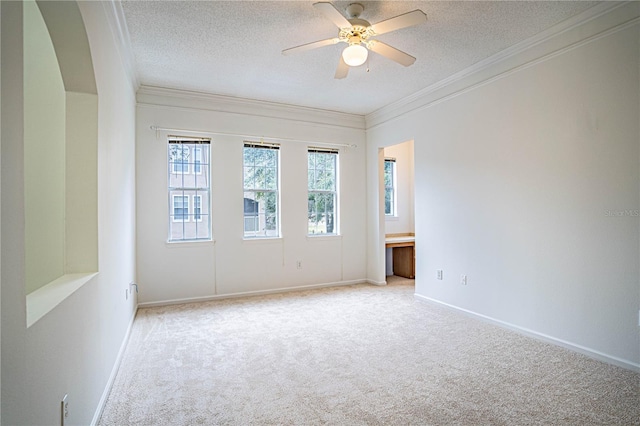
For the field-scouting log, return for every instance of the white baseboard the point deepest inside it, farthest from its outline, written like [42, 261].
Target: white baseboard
[374, 282]
[626, 364]
[248, 293]
[114, 371]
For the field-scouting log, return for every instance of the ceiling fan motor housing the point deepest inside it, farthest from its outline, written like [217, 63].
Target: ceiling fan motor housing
[359, 32]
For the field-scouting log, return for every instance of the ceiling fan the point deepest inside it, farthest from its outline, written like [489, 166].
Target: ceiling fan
[358, 34]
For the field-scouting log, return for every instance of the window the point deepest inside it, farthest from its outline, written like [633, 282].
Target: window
[261, 183]
[189, 193]
[390, 187]
[322, 175]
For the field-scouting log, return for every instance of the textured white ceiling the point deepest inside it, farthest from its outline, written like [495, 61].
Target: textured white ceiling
[234, 47]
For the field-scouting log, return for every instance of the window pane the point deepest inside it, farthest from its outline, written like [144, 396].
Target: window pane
[311, 161]
[387, 178]
[272, 158]
[271, 178]
[329, 181]
[321, 213]
[387, 201]
[197, 160]
[260, 214]
[249, 177]
[197, 207]
[179, 158]
[322, 171]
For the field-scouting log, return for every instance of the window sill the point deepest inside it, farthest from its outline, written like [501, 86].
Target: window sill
[43, 300]
[264, 240]
[391, 218]
[320, 237]
[189, 243]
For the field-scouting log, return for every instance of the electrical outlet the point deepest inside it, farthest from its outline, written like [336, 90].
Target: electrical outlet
[463, 279]
[64, 409]
[439, 274]
[299, 264]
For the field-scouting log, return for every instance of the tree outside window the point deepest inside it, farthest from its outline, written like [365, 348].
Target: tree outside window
[261, 182]
[322, 174]
[390, 187]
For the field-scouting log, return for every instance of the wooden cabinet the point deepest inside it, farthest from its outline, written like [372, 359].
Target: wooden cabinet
[404, 257]
[404, 264]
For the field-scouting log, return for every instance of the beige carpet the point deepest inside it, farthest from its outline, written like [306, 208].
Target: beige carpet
[357, 355]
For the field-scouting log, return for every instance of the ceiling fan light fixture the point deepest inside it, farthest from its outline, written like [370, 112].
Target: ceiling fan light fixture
[355, 55]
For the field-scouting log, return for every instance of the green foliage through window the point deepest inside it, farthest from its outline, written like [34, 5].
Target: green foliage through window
[390, 187]
[260, 182]
[322, 171]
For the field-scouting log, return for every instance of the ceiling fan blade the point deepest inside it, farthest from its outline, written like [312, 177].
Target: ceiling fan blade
[392, 53]
[343, 69]
[333, 14]
[401, 21]
[309, 46]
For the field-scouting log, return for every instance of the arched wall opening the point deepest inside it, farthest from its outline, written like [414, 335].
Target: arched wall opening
[60, 155]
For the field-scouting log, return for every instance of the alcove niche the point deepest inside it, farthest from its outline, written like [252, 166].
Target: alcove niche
[60, 155]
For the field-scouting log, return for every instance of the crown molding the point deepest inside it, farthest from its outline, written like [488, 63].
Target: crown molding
[586, 25]
[118, 24]
[177, 98]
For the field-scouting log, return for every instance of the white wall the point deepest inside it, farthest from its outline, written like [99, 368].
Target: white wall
[73, 349]
[515, 177]
[176, 271]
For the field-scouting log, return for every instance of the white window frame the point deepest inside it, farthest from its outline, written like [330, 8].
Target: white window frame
[393, 187]
[335, 192]
[251, 235]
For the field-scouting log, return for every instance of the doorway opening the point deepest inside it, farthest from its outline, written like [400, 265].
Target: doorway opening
[399, 212]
